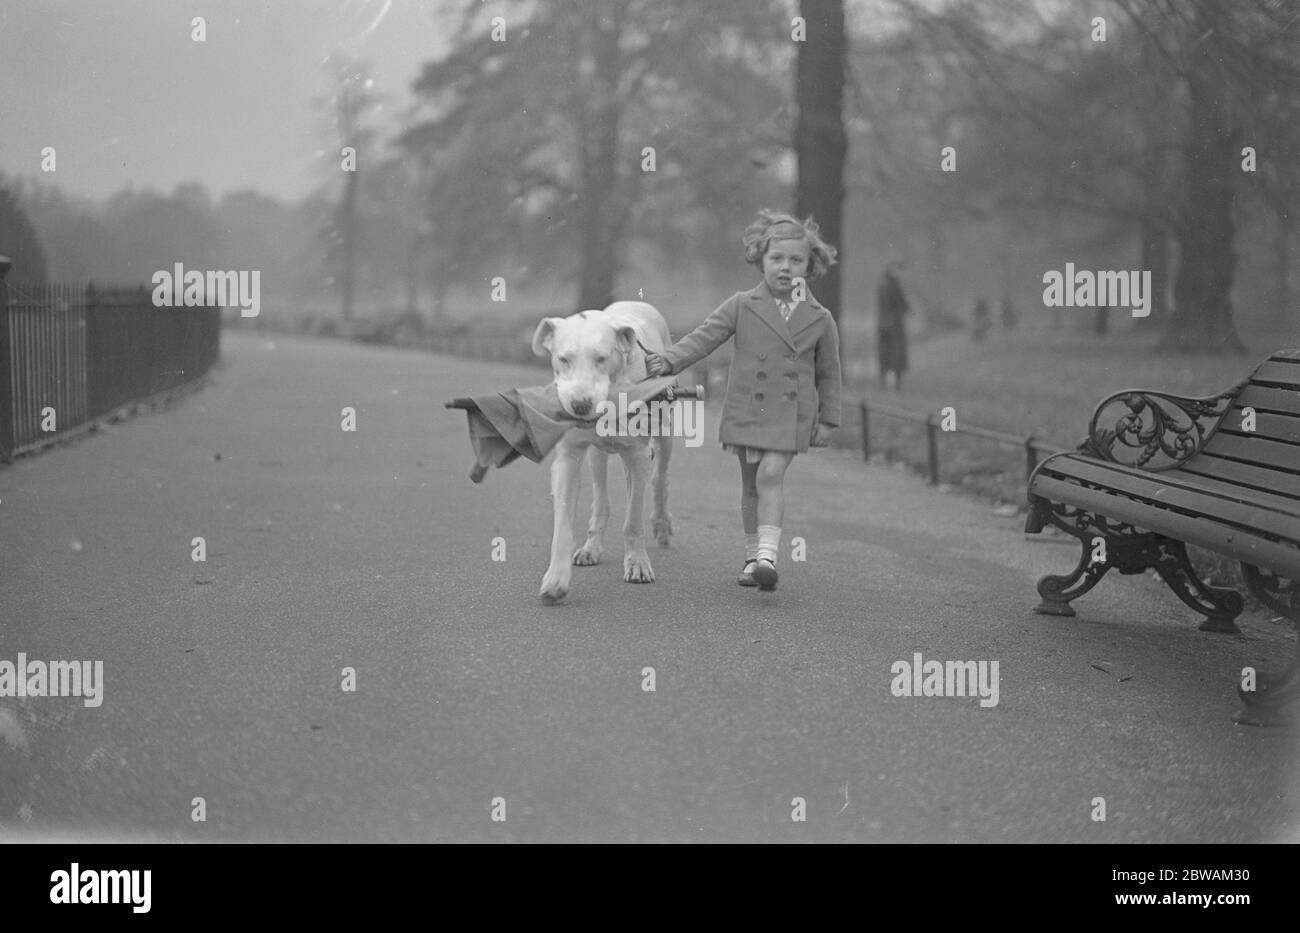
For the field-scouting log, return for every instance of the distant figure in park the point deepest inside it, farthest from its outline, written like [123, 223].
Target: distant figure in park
[891, 332]
[981, 320]
[1010, 314]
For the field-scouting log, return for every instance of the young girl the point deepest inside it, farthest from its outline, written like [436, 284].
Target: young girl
[783, 387]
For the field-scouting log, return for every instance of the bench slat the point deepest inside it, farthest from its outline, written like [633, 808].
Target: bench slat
[1168, 490]
[1278, 503]
[1286, 401]
[1267, 424]
[1205, 532]
[1094, 472]
[1243, 474]
[1254, 449]
[1273, 371]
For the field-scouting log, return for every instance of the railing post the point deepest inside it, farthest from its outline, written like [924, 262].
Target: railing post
[1031, 458]
[932, 440]
[866, 433]
[6, 370]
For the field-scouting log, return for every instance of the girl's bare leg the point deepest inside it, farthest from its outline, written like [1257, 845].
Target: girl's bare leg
[771, 509]
[749, 496]
[771, 486]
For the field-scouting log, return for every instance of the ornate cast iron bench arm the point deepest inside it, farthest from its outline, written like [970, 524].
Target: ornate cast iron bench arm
[1154, 430]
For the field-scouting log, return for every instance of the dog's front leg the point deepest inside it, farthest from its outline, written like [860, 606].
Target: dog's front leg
[636, 562]
[565, 473]
[591, 551]
[661, 522]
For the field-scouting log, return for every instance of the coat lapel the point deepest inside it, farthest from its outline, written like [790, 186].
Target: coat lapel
[804, 315]
[760, 301]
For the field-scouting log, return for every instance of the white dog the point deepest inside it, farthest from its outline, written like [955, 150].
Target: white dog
[590, 352]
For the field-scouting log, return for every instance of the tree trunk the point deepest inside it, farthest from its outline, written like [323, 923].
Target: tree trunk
[1202, 318]
[1004, 263]
[598, 146]
[938, 260]
[439, 271]
[819, 138]
[1153, 228]
[1155, 259]
[1281, 269]
[348, 231]
[411, 277]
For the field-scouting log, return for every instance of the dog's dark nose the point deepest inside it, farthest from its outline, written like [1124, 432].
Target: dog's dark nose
[581, 407]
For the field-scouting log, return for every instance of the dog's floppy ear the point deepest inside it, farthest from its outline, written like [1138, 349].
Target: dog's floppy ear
[542, 336]
[625, 336]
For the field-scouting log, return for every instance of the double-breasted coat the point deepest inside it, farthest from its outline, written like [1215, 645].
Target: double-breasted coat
[784, 376]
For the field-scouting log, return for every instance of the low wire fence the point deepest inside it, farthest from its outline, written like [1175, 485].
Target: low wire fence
[996, 475]
[72, 354]
[1032, 447]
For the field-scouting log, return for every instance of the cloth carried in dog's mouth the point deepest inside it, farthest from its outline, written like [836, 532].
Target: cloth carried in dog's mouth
[530, 421]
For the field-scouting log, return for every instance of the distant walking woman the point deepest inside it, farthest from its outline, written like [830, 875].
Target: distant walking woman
[891, 332]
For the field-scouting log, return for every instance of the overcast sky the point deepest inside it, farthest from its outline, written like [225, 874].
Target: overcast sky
[125, 96]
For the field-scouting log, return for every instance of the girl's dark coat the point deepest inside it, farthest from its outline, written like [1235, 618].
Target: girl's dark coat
[784, 376]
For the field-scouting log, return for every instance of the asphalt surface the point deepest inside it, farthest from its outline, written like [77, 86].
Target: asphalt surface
[373, 551]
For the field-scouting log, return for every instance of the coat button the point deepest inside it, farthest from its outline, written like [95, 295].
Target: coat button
[762, 356]
[792, 395]
[792, 356]
[758, 396]
[761, 374]
[792, 375]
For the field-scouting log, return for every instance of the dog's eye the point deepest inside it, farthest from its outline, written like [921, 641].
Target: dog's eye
[564, 361]
[601, 359]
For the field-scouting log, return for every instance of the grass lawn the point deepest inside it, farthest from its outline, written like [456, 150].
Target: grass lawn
[1044, 385]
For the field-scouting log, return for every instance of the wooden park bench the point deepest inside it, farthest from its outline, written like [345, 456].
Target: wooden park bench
[1160, 471]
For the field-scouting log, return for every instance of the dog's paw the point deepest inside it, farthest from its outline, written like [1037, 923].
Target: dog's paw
[587, 555]
[637, 569]
[554, 588]
[663, 530]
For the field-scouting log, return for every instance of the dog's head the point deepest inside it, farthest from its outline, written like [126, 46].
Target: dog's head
[588, 355]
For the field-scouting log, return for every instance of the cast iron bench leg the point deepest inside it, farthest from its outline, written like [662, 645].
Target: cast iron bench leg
[1219, 605]
[1059, 590]
[1127, 550]
[1263, 705]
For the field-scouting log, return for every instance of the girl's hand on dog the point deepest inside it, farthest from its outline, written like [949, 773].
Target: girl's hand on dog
[656, 365]
[821, 435]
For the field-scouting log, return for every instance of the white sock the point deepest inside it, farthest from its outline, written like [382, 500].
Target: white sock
[751, 547]
[769, 540]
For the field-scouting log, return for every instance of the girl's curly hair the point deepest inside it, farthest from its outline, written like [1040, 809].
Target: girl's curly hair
[774, 225]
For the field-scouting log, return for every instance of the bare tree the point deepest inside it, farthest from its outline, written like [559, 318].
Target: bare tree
[569, 103]
[820, 141]
[352, 104]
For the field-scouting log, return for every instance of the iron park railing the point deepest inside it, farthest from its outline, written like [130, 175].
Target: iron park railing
[71, 354]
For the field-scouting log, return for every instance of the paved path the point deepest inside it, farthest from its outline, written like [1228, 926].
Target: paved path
[372, 551]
